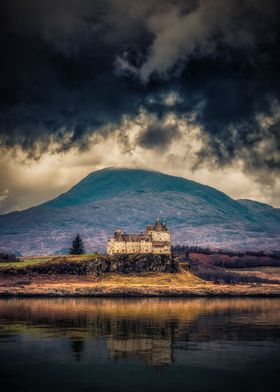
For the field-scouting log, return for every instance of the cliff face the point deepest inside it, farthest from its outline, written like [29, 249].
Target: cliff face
[124, 264]
[141, 263]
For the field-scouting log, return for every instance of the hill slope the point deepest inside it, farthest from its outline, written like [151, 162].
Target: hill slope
[129, 199]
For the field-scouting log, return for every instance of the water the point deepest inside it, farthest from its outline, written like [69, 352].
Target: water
[139, 345]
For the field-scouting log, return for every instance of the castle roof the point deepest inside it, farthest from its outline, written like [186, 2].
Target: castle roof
[132, 237]
[147, 237]
[158, 226]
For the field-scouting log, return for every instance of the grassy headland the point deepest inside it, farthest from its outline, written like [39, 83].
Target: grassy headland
[31, 261]
[21, 279]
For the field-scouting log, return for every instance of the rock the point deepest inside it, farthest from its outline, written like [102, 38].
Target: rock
[124, 264]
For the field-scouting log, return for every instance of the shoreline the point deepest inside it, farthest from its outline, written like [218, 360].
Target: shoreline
[100, 290]
[135, 294]
[110, 284]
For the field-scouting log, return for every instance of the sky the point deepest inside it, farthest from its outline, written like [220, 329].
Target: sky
[187, 87]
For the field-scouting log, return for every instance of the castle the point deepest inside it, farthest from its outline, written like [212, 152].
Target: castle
[156, 239]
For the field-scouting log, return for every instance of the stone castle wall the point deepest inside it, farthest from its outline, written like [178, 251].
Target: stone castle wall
[155, 240]
[129, 247]
[141, 247]
[159, 235]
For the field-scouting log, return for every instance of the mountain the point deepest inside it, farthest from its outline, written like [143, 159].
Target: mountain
[129, 199]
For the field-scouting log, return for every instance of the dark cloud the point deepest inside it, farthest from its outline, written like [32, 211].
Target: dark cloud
[158, 135]
[69, 68]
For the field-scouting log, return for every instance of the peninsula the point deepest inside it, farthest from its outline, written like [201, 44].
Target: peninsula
[86, 275]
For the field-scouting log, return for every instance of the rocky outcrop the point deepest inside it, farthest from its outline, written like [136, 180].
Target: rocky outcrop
[142, 263]
[124, 264]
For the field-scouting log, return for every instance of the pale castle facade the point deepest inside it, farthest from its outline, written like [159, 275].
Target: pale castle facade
[156, 239]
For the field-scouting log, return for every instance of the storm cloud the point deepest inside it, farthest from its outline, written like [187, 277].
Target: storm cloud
[158, 135]
[73, 69]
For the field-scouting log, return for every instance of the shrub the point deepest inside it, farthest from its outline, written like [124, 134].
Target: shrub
[7, 255]
[77, 246]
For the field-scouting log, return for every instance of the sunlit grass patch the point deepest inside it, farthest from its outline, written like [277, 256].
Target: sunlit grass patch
[25, 262]
[76, 258]
[149, 278]
[30, 261]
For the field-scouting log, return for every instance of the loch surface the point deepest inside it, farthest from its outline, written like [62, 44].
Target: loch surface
[87, 344]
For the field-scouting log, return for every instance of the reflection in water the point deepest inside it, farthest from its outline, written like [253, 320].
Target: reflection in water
[199, 344]
[77, 347]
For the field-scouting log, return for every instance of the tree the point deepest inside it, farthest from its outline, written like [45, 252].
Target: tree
[77, 246]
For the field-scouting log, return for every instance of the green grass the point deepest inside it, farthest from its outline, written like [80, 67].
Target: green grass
[24, 262]
[36, 260]
[81, 257]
